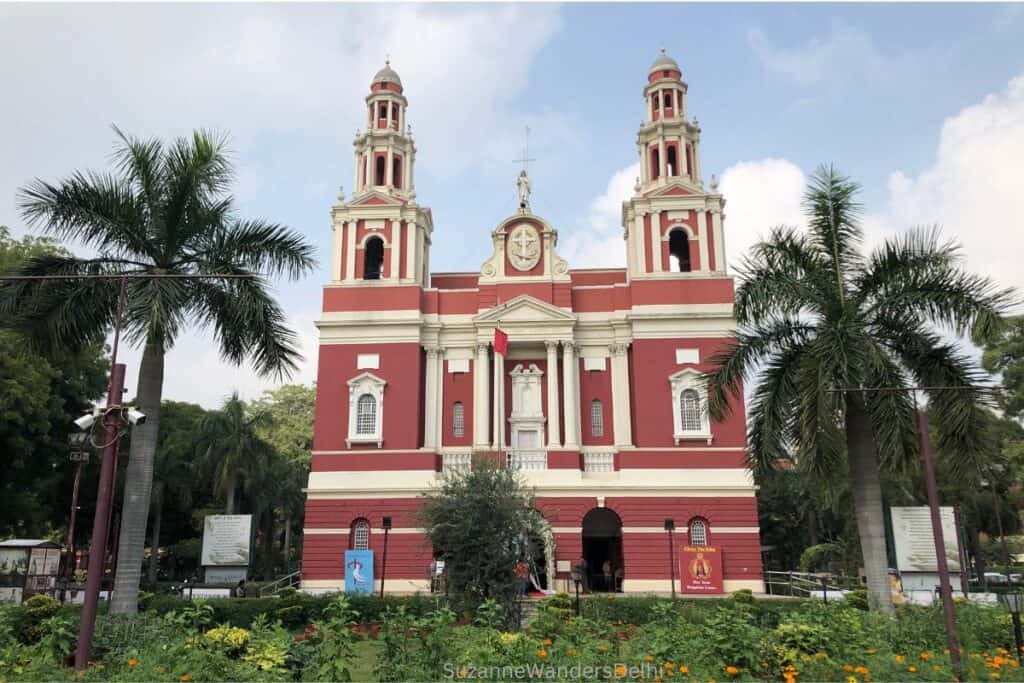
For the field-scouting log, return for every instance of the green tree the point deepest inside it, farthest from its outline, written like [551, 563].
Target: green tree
[174, 469]
[165, 210]
[233, 450]
[1004, 355]
[40, 395]
[816, 315]
[290, 428]
[476, 522]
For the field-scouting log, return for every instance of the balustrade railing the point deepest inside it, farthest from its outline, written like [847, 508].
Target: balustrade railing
[532, 460]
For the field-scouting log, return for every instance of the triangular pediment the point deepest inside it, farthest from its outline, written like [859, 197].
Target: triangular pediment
[524, 308]
[374, 198]
[673, 189]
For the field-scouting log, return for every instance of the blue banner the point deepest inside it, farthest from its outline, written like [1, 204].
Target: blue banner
[358, 571]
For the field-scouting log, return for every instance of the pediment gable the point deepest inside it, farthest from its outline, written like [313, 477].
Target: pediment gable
[673, 189]
[524, 308]
[376, 199]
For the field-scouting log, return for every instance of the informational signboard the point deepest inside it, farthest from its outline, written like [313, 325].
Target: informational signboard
[915, 544]
[44, 562]
[700, 569]
[226, 540]
[13, 566]
[358, 571]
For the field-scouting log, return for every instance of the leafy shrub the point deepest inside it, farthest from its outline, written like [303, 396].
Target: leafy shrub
[744, 595]
[858, 599]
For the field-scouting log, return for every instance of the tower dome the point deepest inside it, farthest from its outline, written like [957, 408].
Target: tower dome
[387, 75]
[662, 64]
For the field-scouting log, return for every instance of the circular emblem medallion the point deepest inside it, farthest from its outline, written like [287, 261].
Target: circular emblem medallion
[523, 247]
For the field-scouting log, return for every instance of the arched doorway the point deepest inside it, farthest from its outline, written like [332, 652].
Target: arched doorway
[538, 551]
[602, 543]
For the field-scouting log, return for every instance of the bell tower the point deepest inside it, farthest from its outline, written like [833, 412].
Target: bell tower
[673, 227]
[381, 234]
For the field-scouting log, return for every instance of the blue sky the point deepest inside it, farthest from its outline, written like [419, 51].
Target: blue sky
[917, 101]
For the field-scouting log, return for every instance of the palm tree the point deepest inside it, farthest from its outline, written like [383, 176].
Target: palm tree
[163, 211]
[233, 450]
[815, 315]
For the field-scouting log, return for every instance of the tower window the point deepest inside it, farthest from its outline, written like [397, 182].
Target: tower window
[360, 535]
[667, 99]
[366, 415]
[458, 420]
[373, 259]
[596, 418]
[673, 163]
[384, 111]
[698, 532]
[689, 410]
[380, 171]
[655, 163]
[396, 172]
[679, 249]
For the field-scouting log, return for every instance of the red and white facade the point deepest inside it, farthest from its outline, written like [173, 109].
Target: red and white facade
[598, 402]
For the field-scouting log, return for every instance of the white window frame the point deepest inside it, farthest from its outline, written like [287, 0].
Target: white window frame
[596, 411]
[458, 420]
[689, 378]
[362, 385]
[704, 530]
[361, 523]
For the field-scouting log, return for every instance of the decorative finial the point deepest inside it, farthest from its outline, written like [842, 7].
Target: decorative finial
[523, 185]
[714, 183]
[637, 186]
[696, 123]
[387, 59]
[663, 50]
[341, 193]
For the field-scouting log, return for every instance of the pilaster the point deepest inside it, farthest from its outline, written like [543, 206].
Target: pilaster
[621, 414]
[431, 399]
[481, 397]
[570, 395]
[554, 423]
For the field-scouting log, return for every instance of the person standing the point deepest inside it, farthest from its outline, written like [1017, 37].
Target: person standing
[522, 574]
[606, 569]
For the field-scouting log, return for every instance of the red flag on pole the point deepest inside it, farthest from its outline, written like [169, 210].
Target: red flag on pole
[500, 342]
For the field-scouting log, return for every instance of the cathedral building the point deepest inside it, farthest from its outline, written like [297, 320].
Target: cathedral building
[596, 398]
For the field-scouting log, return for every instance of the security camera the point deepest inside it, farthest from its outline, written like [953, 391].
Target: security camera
[85, 421]
[136, 417]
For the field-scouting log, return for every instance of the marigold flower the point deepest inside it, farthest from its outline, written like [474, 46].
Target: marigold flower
[912, 669]
[860, 670]
[847, 668]
[133, 662]
[994, 675]
[571, 651]
[731, 670]
[546, 641]
[542, 653]
[998, 661]
[648, 658]
[872, 651]
[462, 672]
[821, 655]
[620, 670]
[937, 667]
[926, 656]
[186, 677]
[851, 679]
[900, 659]
[683, 670]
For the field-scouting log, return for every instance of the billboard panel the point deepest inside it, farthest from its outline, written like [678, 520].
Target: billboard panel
[226, 540]
[700, 569]
[915, 545]
[358, 571]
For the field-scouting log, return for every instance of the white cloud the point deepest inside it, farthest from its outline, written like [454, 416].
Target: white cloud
[600, 244]
[759, 195]
[972, 189]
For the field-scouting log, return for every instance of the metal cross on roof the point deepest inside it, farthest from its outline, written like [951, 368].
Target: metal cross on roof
[526, 158]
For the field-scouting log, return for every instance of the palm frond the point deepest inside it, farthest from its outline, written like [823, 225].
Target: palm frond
[772, 409]
[833, 211]
[256, 246]
[784, 274]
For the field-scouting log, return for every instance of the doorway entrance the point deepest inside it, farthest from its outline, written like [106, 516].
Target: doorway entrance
[602, 549]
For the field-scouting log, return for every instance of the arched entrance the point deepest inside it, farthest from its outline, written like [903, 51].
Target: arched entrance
[537, 547]
[602, 549]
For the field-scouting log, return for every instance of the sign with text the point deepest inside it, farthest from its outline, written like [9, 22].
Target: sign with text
[700, 569]
[226, 540]
[358, 571]
[915, 544]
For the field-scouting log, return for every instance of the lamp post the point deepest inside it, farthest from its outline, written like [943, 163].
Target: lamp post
[577, 579]
[386, 523]
[1013, 601]
[670, 525]
[79, 456]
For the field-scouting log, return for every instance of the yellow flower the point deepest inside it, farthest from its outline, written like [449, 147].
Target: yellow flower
[821, 655]
[133, 662]
[683, 670]
[926, 656]
[648, 658]
[900, 659]
[670, 665]
[186, 677]
[731, 670]
[912, 669]
[571, 651]
[462, 672]
[851, 679]
[546, 641]
[872, 651]
[620, 670]
[994, 675]
[937, 667]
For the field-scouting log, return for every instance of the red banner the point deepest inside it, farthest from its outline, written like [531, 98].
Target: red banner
[700, 569]
[500, 342]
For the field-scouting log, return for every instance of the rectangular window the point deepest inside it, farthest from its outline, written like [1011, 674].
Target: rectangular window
[458, 420]
[596, 419]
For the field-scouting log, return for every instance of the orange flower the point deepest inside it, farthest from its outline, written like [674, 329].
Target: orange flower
[937, 667]
[186, 677]
[926, 656]
[861, 670]
[998, 661]
[900, 659]
[133, 662]
[462, 672]
[542, 653]
[872, 651]
[731, 670]
[620, 670]
[683, 670]
[648, 658]
[912, 669]
[571, 651]
[847, 668]
[546, 641]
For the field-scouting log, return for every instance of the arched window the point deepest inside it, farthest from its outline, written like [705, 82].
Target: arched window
[698, 532]
[655, 163]
[384, 110]
[689, 410]
[373, 259]
[381, 170]
[668, 100]
[458, 420]
[366, 415]
[679, 248]
[360, 535]
[396, 172]
[596, 418]
[673, 163]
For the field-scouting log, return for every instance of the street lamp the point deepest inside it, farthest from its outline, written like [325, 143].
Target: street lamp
[670, 524]
[1013, 601]
[577, 579]
[79, 456]
[386, 523]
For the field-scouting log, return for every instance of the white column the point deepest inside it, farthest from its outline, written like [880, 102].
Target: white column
[638, 242]
[554, 424]
[621, 415]
[650, 108]
[702, 235]
[355, 181]
[716, 227]
[396, 249]
[350, 250]
[662, 161]
[408, 170]
[570, 396]
[656, 241]
[410, 250]
[439, 404]
[481, 397]
[388, 167]
[431, 400]
[337, 244]
[696, 163]
[498, 434]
